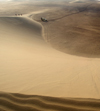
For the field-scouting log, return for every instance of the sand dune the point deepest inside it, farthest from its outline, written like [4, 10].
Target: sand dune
[30, 63]
[20, 102]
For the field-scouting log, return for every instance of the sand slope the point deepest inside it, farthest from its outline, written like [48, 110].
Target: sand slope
[28, 65]
[20, 102]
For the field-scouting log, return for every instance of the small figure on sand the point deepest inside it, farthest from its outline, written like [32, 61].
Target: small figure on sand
[43, 19]
[18, 14]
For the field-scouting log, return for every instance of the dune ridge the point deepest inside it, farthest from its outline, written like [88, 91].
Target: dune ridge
[21, 102]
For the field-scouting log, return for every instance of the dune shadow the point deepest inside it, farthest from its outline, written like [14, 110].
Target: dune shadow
[77, 32]
[23, 25]
[21, 102]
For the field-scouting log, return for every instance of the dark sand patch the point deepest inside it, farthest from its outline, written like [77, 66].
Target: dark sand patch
[74, 29]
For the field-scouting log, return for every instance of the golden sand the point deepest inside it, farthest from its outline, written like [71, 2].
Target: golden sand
[58, 59]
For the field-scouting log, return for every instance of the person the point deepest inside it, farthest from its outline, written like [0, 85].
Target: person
[41, 18]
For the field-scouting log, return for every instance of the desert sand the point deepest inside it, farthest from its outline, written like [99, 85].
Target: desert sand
[54, 65]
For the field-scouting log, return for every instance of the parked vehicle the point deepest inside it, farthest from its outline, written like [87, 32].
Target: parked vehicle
[43, 19]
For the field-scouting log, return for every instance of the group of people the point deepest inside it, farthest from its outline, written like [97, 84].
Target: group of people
[18, 14]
